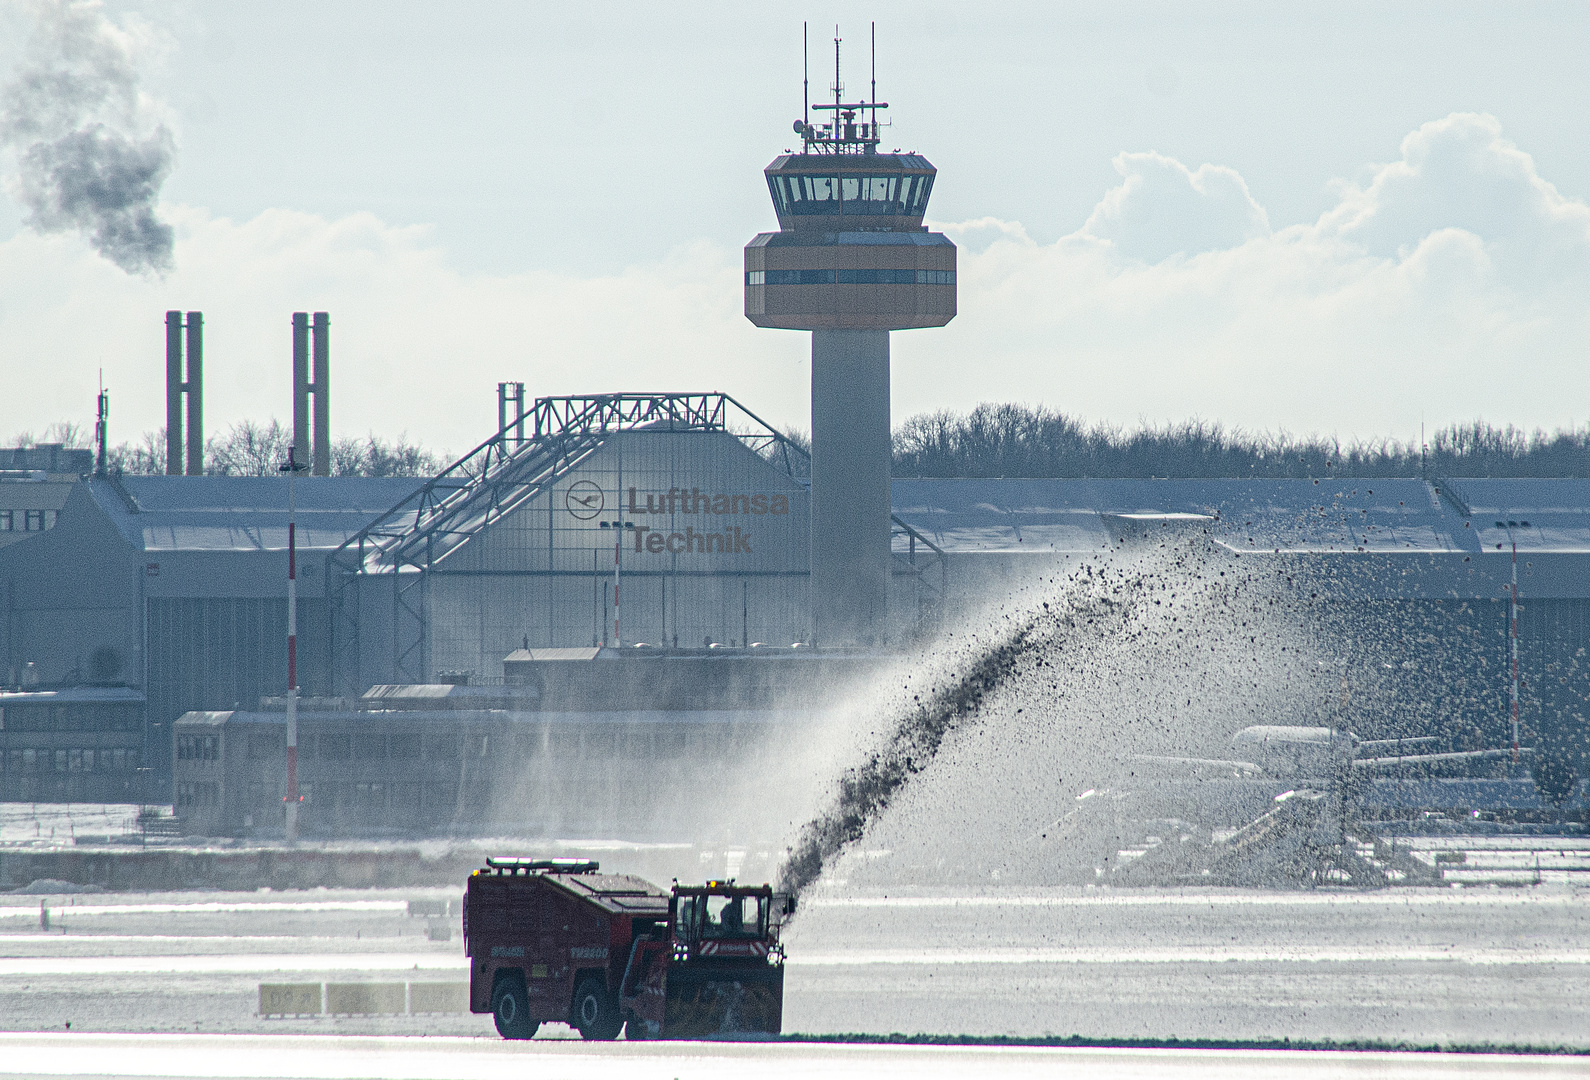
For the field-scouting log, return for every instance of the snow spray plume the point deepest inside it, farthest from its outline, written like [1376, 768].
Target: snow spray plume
[1130, 654]
[72, 115]
[865, 791]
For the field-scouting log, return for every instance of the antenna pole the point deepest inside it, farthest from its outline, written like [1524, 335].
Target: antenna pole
[806, 87]
[875, 78]
[837, 130]
[292, 798]
[1514, 636]
[102, 426]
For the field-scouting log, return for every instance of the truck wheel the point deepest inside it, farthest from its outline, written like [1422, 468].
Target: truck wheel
[593, 1011]
[510, 1009]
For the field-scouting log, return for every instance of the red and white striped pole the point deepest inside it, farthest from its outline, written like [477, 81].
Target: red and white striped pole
[1514, 634]
[292, 798]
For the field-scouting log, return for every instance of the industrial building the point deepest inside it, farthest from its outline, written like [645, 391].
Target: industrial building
[34, 483]
[167, 592]
[169, 588]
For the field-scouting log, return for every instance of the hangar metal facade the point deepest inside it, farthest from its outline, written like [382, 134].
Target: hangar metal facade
[677, 520]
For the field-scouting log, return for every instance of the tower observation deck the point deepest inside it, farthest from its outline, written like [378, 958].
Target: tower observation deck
[850, 262]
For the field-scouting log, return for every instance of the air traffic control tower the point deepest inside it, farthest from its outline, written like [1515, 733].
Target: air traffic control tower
[851, 262]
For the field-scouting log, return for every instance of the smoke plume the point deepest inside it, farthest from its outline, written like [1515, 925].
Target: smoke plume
[87, 158]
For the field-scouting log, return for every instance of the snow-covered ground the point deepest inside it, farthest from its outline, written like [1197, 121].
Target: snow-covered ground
[482, 1059]
[1472, 965]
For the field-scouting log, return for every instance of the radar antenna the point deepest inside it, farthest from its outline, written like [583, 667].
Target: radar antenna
[843, 135]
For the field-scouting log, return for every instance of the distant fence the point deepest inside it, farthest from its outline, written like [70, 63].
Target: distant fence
[362, 998]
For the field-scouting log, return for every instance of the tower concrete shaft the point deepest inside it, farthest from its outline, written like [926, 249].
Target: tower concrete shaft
[850, 486]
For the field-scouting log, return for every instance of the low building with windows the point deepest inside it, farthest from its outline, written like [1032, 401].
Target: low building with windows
[81, 744]
[34, 484]
[378, 771]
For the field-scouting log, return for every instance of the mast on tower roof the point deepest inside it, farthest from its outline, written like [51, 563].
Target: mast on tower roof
[842, 135]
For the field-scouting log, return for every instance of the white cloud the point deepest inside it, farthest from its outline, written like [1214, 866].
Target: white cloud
[1460, 173]
[1449, 285]
[1162, 208]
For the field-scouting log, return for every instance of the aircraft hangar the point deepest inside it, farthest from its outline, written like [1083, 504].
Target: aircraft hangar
[669, 524]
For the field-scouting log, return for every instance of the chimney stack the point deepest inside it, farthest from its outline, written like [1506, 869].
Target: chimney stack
[176, 386]
[313, 447]
[510, 393]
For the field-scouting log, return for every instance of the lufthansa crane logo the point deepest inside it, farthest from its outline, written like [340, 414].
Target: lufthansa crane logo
[584, 500]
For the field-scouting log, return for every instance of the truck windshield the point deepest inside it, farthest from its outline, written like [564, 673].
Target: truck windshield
[734, 917]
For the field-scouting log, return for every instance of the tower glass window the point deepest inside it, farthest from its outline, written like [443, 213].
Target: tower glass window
[871, 195]
[806, 194]
[893, 194]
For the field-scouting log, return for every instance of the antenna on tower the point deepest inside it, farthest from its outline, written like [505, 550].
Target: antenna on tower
[839, 87]
[102, 427]
[850, 131]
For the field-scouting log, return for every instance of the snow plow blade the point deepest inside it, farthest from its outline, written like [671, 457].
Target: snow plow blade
[712, 1002]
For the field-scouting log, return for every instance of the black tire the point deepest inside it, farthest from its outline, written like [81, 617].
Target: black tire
[510, 1008]
[593, 1011]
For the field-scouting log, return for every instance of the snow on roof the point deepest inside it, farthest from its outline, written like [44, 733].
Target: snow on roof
[1383, 516]
[963, 516]
[74, 695]
[244, 513]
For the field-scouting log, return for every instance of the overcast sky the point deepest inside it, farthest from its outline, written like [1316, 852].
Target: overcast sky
[1336, 219]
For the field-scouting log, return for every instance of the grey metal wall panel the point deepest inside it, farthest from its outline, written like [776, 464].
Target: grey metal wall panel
[210, 654]
[728, 562]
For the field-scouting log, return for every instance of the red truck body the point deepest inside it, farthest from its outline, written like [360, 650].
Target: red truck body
[554, 940]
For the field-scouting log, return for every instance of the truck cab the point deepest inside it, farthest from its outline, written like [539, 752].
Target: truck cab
[719, 970]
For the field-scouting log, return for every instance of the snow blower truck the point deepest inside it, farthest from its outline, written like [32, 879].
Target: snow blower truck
[555, 940]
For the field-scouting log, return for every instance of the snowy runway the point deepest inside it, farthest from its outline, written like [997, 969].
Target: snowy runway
[414, 1058]
[1469, 966]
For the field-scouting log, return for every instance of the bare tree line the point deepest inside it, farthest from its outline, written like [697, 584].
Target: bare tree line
[247, 448]
[991, 440]
[1031, 441]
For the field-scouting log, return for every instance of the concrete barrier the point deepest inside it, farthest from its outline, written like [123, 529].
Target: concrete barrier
[290, 999]
[362, 998]
[438, 997]
[366, 999]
